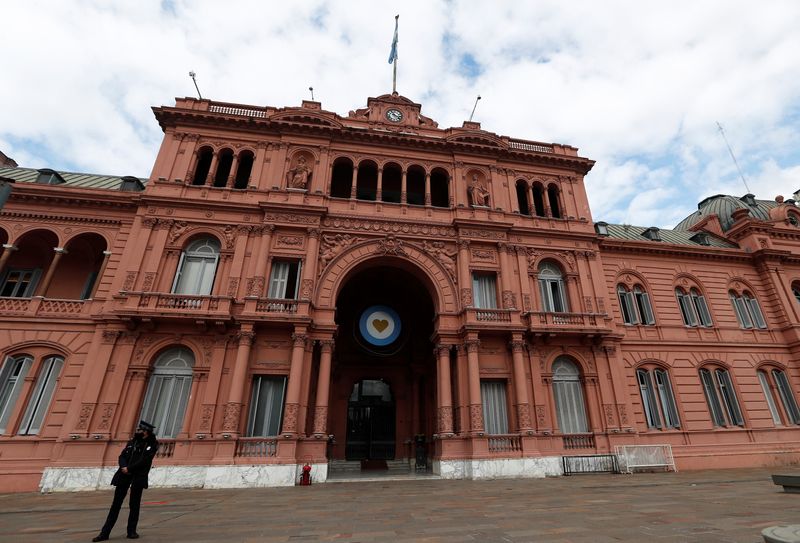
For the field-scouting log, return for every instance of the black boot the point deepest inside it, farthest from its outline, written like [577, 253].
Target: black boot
[101, 537]
[133, 535]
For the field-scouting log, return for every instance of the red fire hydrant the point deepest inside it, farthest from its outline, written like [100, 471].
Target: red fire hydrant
[305, 476]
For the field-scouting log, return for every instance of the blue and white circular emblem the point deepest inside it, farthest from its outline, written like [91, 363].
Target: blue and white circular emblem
[379, 325]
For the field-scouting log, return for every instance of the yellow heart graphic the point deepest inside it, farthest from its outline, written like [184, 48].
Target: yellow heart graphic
[380, 324]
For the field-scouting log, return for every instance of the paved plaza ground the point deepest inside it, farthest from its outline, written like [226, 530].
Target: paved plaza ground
[703, 506]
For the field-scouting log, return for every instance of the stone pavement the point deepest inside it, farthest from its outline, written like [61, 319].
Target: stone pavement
[702, 506]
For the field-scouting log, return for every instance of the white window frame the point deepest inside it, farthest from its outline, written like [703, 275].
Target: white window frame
[495, 407]
[755, 311]
[35, 273]
[484, 290]
[728, 394]
[568, 397]
[787, 396]
[686, 307]
[740, 308]
[42, 395]
[712, 399]
[12, 378]
[642, 298]
[205, 252]
[701, 308]
[168, 391]
[626, 305]
[268, 405]
[649, 401]
[279, 279]
[552, 289]
[669, 406]
[767, 388]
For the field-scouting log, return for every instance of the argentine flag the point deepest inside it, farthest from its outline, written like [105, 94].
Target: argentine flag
[393, 52]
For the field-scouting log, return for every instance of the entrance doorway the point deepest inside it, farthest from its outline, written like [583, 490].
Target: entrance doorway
[370, 422]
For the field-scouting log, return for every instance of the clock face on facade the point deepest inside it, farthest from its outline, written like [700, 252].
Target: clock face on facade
[394, 115]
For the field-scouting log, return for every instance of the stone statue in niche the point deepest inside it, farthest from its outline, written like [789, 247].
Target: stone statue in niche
[297, 177]
[478, 194]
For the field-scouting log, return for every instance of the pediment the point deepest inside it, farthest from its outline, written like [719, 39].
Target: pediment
[305, 116]
[482, 138]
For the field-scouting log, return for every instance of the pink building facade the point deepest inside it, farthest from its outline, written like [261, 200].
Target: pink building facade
[291, 286]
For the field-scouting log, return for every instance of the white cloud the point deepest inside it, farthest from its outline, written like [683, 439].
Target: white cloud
[637, 85]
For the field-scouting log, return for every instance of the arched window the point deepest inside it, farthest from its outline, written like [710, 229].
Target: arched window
[687, 308]
[657, 398]
[367, 181]
[168, 391]
[42, 395]
[197, 267]
[224, 164]
[392, 182]
[568, 394]
[342, 178]
[415, 185]
[699, 303]
[12, 378]
[440, 188]
[538, 199]
[552, 195]
[719, 392]
[551, 288]
[747, 310]
[796, 291]
[522, 197]
[635, 306]
[203, 165]
[780, 383]
[243, 170]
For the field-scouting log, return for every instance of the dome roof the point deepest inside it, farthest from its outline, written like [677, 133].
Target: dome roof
[723, 205]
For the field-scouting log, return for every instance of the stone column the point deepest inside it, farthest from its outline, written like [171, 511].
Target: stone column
[51, 270]
[427, 188]
[505, 278]
[310, 269]
[212, 169]
[445, 396]
[353, 183]
[379, 192]
[474, 376]
[520, 384]
[7, 252]
[257, 282]
[290, 412]
[103, 266]
[233, 409]
[529, 196]
[403, 191]
[323, 388]
[524, 279]
[464, 279]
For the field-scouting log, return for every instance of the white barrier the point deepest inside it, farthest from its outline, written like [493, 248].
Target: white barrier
[631, 457]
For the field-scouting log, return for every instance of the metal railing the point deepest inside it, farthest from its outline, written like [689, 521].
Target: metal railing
[633, 457]
[578, 441]
[590, 463]
[256, 447]
[504, 443]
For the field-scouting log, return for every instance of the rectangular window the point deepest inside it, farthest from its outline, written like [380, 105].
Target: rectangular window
[484, 289]
[711, 397]
[787, 397]
[729, 397]
[495, 415]
[773, 409]
[648, 399]
[266, 406]
[165, 402]
[12, 377]
[668, 405]
[645, 310]
[42, 396]
[284, 279]
[19, 283]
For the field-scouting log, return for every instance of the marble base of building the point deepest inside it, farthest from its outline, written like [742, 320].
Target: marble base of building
[499, 468]
[252, 476]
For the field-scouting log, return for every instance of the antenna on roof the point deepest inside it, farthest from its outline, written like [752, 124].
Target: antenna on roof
[722, 132]
[473, 108]
[312, 93]
[192, 75]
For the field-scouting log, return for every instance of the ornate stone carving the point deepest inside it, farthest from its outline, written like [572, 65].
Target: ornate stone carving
[540, 416]
[466, 297]
[476, 418]
[229, 233]
[587, 302]
[623, 415]
[290, 417]
[532, 255]
[306, 289]
[255, 286]
[230, 418]
[478, 193]
[298, 177]
[445, 417]
[110, 336]
[391, 245]
[246, 337]
[149, 222]
[293, 218]
[472, 345]
[85, 414]
[486, 255]
[299, 340]
[320, 419]
[480, 233]
[206, 417]
[233, 286]
[509, 300]
[438, 250]
[332, 245]
[526, 302]
[608, 410]
[147, 284]
[524, 416]
[290, 241]
[130, 280]
[517, 345]
[106, 415]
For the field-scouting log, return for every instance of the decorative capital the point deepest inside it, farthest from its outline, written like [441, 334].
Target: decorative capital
[326, 345]
[313, 233]
[442, 349]
[517, 345]
[150, 222]
[299, 340]
[471, 345]
[246, 337]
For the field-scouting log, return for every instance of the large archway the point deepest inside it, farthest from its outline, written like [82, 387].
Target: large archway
[384, 378]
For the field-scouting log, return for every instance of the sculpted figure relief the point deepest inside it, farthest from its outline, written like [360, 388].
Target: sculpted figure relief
[478, 194]
[297, 177]
[438, 250]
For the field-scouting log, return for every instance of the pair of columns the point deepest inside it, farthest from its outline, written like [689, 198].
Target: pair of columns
[403, 186]
[531, 201]
[475, 404]
[212, 170]
[293, 389]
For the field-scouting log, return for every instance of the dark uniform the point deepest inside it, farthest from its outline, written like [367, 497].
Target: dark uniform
[137, 457]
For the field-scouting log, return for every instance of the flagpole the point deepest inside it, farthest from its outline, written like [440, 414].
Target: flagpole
[394, 71]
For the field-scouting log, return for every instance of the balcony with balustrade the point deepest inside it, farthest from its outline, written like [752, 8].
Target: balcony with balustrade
[541, 323]
[41, 307]
[161, 305]
[492, 319]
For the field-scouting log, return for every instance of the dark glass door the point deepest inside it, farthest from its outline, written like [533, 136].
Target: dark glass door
[370, 422]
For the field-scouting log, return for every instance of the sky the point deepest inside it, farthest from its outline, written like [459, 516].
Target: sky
[636, 86]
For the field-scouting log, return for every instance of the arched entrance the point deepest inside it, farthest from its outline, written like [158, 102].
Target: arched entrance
[383, 375]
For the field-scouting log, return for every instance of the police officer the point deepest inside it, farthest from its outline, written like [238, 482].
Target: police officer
[134, 465]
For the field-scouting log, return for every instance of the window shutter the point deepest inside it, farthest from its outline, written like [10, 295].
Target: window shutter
[773, 409]
[12, 378]
[711, 398]
[755, 311]
[42, 395]
[668, 405]
[648, 399]
[789, 402]
[729, 397]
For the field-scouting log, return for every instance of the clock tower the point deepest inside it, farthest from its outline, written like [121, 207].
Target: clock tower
[393, 110]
